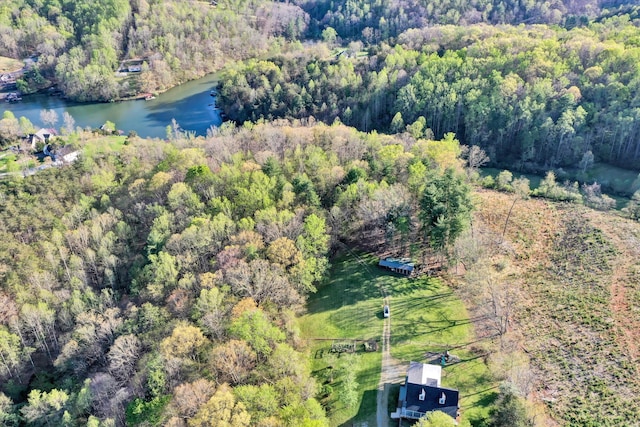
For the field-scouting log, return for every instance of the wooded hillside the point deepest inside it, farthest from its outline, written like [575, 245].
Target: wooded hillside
[159, 283]
[533, 98]
[80, 46]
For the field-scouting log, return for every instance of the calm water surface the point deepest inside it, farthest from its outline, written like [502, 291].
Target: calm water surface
[190, 104]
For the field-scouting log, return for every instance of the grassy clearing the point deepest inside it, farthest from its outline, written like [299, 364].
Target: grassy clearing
[618, 180]
[8, 162]
[349, 305]
[426, 316]
[103, 145]
[428, 319]
[8, 65]
[572, 332]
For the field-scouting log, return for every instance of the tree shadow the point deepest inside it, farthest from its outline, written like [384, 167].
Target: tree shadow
[369, 400]
[485, 400]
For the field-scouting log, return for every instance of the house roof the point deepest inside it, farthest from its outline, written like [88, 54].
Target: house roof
[400, 263]
[43, 133]
[424, 374]
[433, 399]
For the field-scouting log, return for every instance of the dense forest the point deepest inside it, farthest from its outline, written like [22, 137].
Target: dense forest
[160, 284]
[377, 21]
[534, 99]
[79, 46]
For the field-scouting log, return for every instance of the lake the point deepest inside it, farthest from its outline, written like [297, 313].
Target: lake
[190, 104]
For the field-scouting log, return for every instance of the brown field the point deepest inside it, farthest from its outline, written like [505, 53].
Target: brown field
[8, 65]
[567, 280]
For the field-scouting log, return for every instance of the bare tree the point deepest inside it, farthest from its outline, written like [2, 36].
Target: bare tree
[501, 305]
[189, 397]
[594, 198]
[108, 400]
[521, 189]
[586, 162]
[8, 308]
[476, 158]
[69, 123]
[233, 361]
[49, 117]
[123, 356]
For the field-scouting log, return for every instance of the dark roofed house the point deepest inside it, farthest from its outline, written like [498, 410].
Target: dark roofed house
[422, 393]
[398, 265]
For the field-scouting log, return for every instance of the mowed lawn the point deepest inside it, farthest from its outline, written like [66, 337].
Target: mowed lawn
[103, 145]
[349, 305]
[429, 319]
[426, 318]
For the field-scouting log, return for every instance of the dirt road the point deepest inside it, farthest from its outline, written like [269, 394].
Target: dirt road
[392, 372]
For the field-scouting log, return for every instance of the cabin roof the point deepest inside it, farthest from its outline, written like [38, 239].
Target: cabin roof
[400, 263]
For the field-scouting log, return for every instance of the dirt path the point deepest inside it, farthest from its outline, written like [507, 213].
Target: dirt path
[392, 372]
[627, 246]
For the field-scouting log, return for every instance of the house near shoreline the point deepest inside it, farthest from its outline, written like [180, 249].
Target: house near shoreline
[422, 393]
[42, 136]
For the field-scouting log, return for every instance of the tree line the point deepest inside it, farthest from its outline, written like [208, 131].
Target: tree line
[380, 20]
[79, 45]
[534, 97]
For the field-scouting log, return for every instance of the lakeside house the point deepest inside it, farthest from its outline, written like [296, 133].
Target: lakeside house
[422, 393]
[42, 136]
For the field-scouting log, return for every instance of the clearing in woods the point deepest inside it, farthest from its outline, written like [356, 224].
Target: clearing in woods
[427, 318]
[8, 65]
[575, 278]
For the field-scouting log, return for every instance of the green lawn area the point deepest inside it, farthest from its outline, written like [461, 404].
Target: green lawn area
[620, 180]
[426, 316]
[616, 182]
[8, 162]
[349, 305]
[103, 145]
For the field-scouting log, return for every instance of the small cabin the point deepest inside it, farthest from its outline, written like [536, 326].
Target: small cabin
[398, 265]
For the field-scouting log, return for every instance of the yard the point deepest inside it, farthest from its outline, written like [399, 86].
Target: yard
[426, 319]
[8, 65]
[8, 162]
[103, 145]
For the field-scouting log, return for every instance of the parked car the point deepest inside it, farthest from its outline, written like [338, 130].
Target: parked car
[385, 311]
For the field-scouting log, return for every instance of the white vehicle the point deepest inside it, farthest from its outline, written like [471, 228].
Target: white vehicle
[385, 311]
